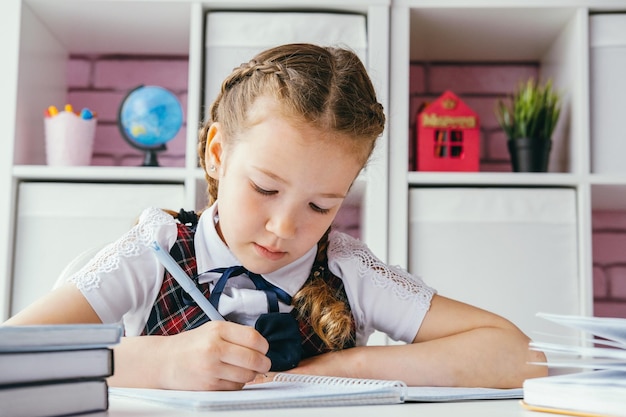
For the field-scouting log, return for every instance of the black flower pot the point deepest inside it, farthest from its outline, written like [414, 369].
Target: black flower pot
[529, 155]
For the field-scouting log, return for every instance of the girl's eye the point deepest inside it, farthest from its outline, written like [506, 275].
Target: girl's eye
[262, 190]
[318, 209]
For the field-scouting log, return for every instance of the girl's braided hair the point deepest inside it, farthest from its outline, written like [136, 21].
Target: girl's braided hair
[325, 86]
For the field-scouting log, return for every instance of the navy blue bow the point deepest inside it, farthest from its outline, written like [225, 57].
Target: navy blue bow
[280, 329]
[272, 292]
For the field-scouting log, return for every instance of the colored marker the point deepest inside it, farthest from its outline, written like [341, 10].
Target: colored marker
[86, 114]
[69, 108]
[52, 111]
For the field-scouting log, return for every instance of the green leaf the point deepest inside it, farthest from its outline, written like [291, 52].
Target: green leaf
[532, 111]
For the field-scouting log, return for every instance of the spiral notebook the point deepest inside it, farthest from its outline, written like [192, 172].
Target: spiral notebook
[292, 390]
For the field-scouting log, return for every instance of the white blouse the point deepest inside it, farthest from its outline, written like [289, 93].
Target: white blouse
[122, 281]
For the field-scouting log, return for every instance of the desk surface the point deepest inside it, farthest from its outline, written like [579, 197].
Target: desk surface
[123, 407]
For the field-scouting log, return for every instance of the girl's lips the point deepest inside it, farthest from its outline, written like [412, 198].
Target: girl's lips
[272, 255]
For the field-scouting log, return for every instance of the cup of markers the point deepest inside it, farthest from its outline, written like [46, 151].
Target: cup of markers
[69, 136]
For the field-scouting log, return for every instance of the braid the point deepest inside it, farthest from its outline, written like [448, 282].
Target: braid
[251, 68]
[242, 73]
[328, 315]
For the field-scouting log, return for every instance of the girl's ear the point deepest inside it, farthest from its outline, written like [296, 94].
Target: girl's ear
[213, 153]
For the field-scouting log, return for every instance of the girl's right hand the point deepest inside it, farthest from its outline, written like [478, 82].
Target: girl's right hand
[218, 355]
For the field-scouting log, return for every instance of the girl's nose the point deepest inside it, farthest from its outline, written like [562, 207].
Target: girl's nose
[283, 225]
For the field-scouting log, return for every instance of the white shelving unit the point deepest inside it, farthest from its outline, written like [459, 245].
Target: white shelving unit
[552, 33]
[39, 36]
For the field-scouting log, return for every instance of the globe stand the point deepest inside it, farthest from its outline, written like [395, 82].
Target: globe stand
[150, 158]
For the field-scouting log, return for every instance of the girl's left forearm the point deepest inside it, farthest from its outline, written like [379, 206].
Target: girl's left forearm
[483, 357]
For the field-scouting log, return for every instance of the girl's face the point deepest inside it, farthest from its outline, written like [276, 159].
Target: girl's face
[280, 187]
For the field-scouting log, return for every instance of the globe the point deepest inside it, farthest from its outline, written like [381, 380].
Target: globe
[148, 118]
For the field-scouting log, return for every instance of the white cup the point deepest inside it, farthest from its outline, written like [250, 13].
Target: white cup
[69, 139]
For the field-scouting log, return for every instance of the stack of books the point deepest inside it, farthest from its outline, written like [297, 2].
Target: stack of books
[598, 388]
[54, 370]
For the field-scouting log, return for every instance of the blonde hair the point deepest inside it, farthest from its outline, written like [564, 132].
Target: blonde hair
[325, 86]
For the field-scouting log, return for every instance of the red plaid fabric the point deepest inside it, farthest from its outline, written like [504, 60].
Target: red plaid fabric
[173, 312]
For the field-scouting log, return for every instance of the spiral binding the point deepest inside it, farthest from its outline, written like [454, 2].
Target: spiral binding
[336, 381]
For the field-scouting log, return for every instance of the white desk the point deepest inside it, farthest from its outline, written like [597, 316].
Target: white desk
[123, 407]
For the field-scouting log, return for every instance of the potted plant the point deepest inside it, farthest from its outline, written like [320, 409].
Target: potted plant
[528, 119]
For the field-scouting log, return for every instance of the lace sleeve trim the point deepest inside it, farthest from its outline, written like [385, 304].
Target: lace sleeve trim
[133, 243]
[403, 285]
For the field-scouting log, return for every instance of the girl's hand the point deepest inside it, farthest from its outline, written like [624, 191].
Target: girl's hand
[215, 356]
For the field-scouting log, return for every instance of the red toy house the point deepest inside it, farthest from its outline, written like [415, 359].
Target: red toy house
[448, 136]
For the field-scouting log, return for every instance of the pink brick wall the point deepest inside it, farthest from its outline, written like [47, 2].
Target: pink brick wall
[609, 263]
[101, 82]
